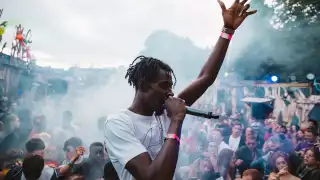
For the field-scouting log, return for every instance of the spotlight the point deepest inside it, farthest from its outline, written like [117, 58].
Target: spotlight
[310, 76]
[226, 74]
[274, 78]
[293, 78]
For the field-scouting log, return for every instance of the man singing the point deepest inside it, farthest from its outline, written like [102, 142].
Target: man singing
[143, 141]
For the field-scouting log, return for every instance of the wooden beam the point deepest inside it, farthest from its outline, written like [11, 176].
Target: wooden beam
[297, 85]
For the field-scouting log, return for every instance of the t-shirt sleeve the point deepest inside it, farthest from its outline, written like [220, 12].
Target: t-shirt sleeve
[122, 143]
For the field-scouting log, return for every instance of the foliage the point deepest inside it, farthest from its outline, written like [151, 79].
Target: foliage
[296, 13]
[290, 50]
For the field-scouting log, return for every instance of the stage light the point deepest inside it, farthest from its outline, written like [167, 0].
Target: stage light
[310, 76]
[293, 78]
[274, 78]
[226, 74]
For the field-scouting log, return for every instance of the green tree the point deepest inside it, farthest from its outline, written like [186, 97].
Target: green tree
[285, 49]
[296, 13]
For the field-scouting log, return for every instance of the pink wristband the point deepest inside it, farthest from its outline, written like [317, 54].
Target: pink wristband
[226, 36]
[173, 136]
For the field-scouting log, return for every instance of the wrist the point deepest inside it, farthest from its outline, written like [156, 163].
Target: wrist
[74, 159]
[228, 30]
[70, 164]
[175, 127]
[226, 33]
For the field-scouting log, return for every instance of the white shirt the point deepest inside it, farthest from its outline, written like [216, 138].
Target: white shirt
[234, 142]
[222, 146]
[128, 134]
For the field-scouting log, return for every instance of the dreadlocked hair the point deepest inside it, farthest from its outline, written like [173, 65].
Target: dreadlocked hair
[143, 70]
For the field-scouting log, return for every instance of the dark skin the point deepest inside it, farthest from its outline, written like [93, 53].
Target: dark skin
[150, 98]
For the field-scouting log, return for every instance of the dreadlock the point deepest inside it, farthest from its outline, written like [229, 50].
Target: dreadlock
[144, 71]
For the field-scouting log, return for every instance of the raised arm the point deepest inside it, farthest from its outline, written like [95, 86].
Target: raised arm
[232, 17]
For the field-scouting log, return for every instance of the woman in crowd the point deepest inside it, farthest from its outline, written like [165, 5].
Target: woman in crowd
[279, 167]
[309, 166]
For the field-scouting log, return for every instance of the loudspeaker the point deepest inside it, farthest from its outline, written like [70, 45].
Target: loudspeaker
[261, 111]
[315, 113]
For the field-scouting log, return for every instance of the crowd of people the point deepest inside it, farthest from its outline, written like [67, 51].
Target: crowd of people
[261, 150]
[146, 141]
[30, 149]
[233, 147]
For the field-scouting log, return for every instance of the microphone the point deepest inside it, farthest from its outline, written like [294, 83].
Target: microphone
[199, 113]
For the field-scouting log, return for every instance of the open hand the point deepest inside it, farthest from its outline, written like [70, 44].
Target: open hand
[236, 14]
[80, 151]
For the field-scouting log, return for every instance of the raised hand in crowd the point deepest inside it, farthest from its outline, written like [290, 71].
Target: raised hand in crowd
[236, 14]
[66, 168]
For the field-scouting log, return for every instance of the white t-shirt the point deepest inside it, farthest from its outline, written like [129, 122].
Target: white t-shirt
[128, 134]
[234, 143]
[223, 146]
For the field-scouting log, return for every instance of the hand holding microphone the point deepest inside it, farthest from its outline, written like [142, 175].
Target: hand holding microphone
[176, 108]
[180, 103]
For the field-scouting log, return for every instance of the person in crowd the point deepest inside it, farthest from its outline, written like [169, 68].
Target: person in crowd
[25, 116]
[283, 129]
[36, 147]
[235, 140]
[215, 137]
[294, 129]
[225, 164]
[310, 135]
[226, 130]
[286, 145]
[201, 167]
[312, 123]
[309, 168]
[300, 135]
[251, 174]
[67, 122]
[11, 138]
[192, 141]
[247, 154]
[207, 162]
[9, 160]
[93, 166]
[250, 133]
[256, 126]
[280, 168]
[70, 147]
[135, 137]
[32, 168]
[262, 164]
[39, 126]
[268, 134]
